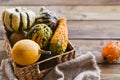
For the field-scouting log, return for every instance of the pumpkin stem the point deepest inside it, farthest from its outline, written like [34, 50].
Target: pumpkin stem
[44, 52]
[42, 9]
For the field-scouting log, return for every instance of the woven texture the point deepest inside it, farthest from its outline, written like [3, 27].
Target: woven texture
[83, 67]
[39, 69]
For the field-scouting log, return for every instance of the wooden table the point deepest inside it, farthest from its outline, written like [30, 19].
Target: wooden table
[91, 24]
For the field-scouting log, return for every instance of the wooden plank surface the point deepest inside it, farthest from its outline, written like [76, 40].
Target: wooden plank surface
[110, 76]
[89, 30]
[94, 29]
[59, 2]
[90, 27]
[110, 71]
[79, 12]
[94, 46]
[110, 68]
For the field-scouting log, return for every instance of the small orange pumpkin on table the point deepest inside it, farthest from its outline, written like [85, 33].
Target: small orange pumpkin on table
[111, 51]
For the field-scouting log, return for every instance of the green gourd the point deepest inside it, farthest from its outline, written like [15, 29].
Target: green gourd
[47, 17]
[41, 34]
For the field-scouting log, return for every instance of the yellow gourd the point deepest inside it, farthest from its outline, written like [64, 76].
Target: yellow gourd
[25, 52]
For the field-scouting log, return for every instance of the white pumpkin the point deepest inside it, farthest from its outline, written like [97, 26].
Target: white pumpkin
[17, 19]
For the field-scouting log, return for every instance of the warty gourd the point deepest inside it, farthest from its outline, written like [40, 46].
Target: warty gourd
[41, 34]
[59, 41]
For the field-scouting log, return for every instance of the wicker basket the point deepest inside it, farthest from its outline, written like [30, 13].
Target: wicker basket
[39, 69]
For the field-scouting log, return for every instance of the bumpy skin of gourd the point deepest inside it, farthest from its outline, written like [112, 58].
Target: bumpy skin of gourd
[41, 34]
[111, 51]
[47, 17]
[59, 41]
[18, 19]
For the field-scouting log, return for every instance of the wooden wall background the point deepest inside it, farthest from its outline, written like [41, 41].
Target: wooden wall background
[91, 24]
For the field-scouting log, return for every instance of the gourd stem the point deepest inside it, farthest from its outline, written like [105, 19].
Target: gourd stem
[44, 52]
[42, 9]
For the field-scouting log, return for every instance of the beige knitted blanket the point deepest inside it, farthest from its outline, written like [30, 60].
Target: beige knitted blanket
[83, 67]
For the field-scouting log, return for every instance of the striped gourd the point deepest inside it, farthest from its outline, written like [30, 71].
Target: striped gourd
[18, 19]
[47, 17]
[59, 41]
[41, 34]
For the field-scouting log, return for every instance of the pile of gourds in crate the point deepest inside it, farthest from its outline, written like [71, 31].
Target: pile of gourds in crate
[34, 38]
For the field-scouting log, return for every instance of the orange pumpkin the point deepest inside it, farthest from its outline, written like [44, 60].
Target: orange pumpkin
[111, 51]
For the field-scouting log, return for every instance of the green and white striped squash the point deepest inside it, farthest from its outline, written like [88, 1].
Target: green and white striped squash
[18, 19]
[41, 34]
[47, 17]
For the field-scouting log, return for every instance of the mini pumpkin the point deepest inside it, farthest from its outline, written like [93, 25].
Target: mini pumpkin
[17, 19]
[47, 17]
[41, 34]
[111, 51]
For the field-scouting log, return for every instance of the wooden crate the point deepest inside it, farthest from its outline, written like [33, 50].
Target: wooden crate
[39, 69]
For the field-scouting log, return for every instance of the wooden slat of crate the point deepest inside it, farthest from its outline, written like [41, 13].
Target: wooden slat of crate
[59, 2]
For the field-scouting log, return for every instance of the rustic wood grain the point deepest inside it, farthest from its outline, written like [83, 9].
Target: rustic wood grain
[94, 46]
[110, 71]
[110, 68]
[79, 30]
[79, 12]
[94, 29]
[59, 2]
[110, 76]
